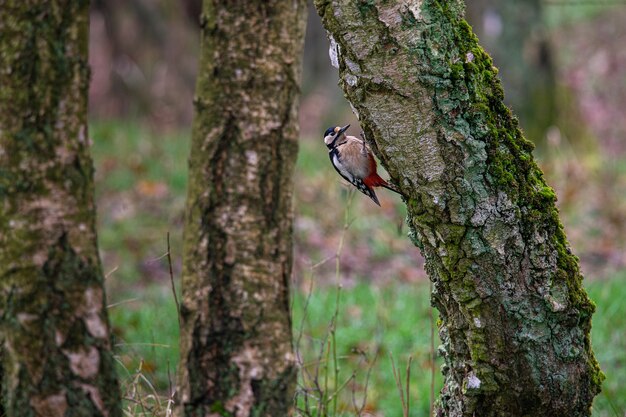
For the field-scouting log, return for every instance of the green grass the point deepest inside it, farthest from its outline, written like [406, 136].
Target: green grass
[609, 342]
[141, 177]
[371, 323]
[145, 329]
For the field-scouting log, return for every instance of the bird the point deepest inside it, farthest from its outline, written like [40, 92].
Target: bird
[354, 161]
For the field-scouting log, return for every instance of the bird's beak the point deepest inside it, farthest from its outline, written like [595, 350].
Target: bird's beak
[343, 129]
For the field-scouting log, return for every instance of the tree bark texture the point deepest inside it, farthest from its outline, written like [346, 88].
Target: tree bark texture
[515, 320]
[55, 330]
[514, 34]
[236, 351]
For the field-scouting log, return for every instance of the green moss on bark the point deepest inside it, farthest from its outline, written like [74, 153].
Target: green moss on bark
[509, 290]
[57, 355]
[236, 330]
[511, 166]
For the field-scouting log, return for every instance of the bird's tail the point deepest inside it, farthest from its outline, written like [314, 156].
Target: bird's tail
[392, 188]
[371, 194]
[376, 181]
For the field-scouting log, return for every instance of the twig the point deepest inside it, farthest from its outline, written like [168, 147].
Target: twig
[324, 399]
[396, 378]
[334, 395]
[142, 344]
[323, 261]
[136, 383]
[169, 262]
[408, 385]
[359, 410]
[108, 274]
[130, 300]
[158, 258]
[333, 326]
[303, 367]
[169, 381]
[318, 391]
[333, 332]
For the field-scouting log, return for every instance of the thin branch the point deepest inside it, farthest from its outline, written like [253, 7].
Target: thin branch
[323, 261]
[158, 258]
[396, 378]
[170, 385]
[367, 381]
[130, 300]
[408, 385]
[142, 344]
[108, 274]
[323, 389]
[169, 262]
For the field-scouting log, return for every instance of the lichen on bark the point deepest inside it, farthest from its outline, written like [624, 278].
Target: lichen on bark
[55, 338]
[515, 320]
[236, 354]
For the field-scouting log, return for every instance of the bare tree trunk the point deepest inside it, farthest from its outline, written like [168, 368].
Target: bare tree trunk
[236, 351]
[515, 319]
[55, 331]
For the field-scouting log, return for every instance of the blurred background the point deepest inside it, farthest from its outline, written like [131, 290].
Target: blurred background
[563, 65]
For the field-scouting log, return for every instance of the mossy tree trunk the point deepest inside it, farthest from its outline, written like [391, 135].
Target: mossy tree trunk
[515, 320]
[236, 352]
[55, 331]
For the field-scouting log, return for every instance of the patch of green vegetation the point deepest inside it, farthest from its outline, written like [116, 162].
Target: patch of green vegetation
[372, 323]
[312, 156]
[141, 179]
[145, 328]
[609, 343]
[132, 152]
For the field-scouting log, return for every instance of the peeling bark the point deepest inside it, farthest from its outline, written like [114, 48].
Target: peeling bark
[515, 320]
[57, 356]
[236, 353]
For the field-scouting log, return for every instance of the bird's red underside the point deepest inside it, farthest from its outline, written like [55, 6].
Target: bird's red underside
[374, 180]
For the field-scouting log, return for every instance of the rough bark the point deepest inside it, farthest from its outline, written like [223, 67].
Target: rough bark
[57, 358]
[515, 320]
[236, 352]
[514, 34]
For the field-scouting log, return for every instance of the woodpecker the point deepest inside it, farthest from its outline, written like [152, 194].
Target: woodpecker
[354, 161]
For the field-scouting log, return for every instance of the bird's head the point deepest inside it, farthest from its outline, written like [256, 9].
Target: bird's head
[332, 134]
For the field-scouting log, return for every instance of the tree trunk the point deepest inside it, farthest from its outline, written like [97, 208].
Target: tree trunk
[55, 330]
[515, 319]
[514, 34]
[236, 353]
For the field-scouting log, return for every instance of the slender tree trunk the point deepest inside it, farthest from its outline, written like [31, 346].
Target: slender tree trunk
[57, 357]
[236, 352]
[515, 319]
